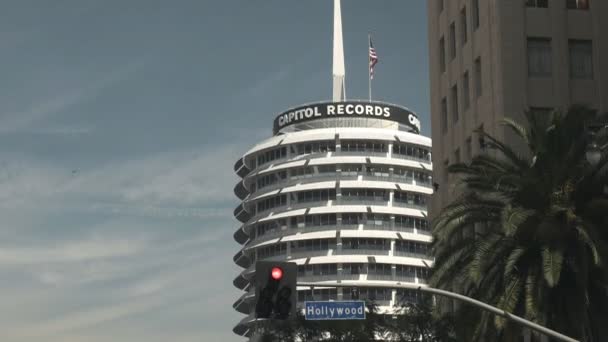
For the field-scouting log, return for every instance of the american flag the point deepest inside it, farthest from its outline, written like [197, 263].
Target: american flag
[373, 59]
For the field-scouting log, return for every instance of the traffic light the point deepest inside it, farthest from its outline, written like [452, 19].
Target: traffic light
[276, 292]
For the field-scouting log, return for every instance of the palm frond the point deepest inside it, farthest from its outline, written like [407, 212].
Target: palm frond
[511, 265]
[552, 265]
[509, 299]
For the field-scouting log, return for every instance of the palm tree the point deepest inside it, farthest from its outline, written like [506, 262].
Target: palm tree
[529, 233]
[420, 321]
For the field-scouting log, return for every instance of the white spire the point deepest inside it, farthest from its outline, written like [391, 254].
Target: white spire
[339, 89]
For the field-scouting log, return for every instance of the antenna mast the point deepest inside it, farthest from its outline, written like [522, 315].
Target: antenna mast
[339, 87]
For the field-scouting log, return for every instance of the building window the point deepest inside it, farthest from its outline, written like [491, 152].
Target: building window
[440, 5]
[463, 26]
[475, 14]
[481, 139]
[444, 115]
[453, 41]
[469, 149]
[577, 4]
[445, 176]
[581, 59]
[540, 63]
[537, 3]
[478, 88]
[442, 54]
[465, 90]
[454, 100]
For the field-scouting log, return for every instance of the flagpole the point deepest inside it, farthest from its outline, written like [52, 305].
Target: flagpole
[369, 68]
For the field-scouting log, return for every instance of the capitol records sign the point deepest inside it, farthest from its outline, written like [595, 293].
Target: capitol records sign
[372, 110]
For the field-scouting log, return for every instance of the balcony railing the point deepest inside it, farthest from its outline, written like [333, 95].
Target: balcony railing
[409, 205]
[300, 253]
[411, 254]
[405, 278]
[363, 251]
[314, 278]
[350, 200]
[372, 276]
[416, 158]
[363, 153]
[386, 226]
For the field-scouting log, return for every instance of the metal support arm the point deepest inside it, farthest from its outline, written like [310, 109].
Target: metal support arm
[482, 305]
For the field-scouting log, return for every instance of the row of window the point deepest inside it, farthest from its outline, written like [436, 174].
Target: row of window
[314, 147]
[312, 245]
[414, 247]
[540, 58]
[464, 35]
[366, 243]
[361, 293]
[320, 220]
[348, 194]
[348, 244]
[345, 169]
[346, 146]
[267, 180]
[361, 268]
[363, 146]
[570, 4]
[272, 202]
[412, 151]
[271, 155]
[466, 96]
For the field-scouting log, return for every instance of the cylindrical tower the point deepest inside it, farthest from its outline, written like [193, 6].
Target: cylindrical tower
[341, 189]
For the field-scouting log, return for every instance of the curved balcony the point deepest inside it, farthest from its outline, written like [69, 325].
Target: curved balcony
[241, 213]
[243, 304]
[240, 191]
[241, 236]
[240, 168]
[242, 328]
[240, 282]
[241, 259]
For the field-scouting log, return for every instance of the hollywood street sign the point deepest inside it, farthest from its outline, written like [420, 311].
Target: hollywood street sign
[334, 310]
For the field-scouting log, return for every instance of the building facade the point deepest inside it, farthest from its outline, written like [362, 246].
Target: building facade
[491, 59]
[341, 189]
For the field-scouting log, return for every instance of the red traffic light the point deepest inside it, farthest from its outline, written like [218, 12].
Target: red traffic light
[276, 273]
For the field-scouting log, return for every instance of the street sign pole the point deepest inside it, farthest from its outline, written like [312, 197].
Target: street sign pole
[482, 305]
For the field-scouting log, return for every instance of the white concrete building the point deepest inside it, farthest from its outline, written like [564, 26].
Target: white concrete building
[344, 203]
[341, 189]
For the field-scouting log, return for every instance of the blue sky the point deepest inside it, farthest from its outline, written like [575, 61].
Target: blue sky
[119, 125]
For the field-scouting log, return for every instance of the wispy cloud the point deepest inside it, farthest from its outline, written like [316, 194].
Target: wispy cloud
[79, 251]
[170, 184]
[64, 98]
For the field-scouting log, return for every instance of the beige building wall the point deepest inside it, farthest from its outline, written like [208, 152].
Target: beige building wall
[500, 43]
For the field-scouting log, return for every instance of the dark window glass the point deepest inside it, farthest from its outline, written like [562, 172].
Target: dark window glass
[540, 62]
[454, 100]
[452, 40]
[478, 79]
[463, 26]
[577, 4]
[465, 90]
[442, 54]
[537, 3]
[581, 59]
[475, 14]
[444, 115]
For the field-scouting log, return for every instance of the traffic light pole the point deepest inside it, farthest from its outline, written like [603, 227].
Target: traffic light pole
[482, 305]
